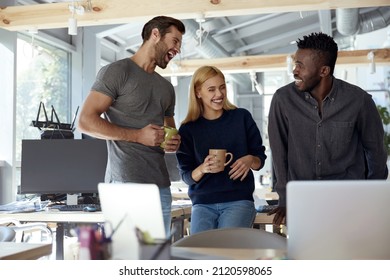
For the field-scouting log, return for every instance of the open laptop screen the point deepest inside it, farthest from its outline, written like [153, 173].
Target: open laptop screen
[131, 205]
[338, 219]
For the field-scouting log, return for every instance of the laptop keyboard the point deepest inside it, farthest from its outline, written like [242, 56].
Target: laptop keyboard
[266, 208]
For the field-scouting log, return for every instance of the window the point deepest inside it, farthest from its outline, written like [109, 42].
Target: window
[43, 75]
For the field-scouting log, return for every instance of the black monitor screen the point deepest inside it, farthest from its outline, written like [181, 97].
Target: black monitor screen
[62, 166]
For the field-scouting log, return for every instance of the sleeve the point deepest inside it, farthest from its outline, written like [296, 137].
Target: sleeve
[372, 135]
[170, 111]
[278, 136]
[185, 156]
[255, 141]
[109, 80]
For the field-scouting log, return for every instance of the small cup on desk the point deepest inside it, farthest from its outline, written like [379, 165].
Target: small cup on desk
[220, 155]
[169, 132]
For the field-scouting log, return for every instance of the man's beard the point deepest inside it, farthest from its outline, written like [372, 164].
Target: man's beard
[161, 54]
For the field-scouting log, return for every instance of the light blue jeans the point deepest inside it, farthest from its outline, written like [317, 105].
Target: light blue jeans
[222, 215]
[166, 205]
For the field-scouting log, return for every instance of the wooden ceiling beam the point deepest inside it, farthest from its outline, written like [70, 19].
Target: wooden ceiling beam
[263, 63]
[56, 15]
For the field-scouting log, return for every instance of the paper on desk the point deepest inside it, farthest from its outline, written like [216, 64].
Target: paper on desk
[259, 202]
[31, 205]
[182, 202]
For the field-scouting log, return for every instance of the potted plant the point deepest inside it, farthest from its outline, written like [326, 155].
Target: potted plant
[385, 116]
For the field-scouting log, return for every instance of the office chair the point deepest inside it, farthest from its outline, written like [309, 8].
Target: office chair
[245, 238]
[15, 231]
[7, 234]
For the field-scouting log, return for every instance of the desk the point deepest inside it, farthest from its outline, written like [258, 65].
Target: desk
[179, 215]
[61, 218]
[264, 219]
[23, 251]
[199, 253]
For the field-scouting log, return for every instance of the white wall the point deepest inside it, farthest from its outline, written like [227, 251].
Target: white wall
[7, 119]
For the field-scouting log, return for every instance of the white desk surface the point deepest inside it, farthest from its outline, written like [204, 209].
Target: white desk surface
[57, 216]
[202, 253]
[23, 251]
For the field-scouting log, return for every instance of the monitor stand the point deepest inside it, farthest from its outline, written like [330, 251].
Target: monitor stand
[72, 199]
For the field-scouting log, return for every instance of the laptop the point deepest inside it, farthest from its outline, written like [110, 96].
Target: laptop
[131, 205]
[338, 220]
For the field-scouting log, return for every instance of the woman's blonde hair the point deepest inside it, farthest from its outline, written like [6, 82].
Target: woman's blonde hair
[195, 105]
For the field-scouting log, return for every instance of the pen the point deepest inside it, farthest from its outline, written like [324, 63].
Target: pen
[117, 226]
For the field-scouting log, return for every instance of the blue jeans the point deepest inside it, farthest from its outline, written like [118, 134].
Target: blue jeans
[166, 205]
[222, 215]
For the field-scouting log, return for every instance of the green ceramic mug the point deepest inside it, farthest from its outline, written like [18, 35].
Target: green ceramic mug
[169, 132]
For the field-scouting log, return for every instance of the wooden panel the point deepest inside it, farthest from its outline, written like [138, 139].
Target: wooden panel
[55, 15]
[262, 63]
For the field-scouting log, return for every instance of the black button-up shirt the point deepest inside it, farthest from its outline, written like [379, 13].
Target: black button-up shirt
[344, 142]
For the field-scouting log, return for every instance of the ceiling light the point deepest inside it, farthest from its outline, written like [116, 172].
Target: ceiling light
[200, 32]
[255, 84]
[77, 8]
[371, 56]
[72, 26]
[290, 66]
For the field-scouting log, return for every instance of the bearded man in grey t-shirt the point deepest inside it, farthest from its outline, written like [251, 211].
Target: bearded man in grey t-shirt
[136, 102]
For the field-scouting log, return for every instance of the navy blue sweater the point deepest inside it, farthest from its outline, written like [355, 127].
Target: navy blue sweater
[235, 131]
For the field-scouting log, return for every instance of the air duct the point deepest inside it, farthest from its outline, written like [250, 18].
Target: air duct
[374, 20]
[349, 22]
[211, 49]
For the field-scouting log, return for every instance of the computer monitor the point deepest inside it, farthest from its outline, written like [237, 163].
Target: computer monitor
[62, 166]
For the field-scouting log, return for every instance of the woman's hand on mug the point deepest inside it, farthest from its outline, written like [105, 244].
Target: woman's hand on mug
[209, 165]
[206, 167]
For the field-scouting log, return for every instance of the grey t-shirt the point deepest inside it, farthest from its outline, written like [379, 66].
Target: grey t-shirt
[139, 99]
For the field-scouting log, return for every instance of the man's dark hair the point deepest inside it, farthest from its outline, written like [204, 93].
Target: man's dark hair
[162, 23]
[324, 45]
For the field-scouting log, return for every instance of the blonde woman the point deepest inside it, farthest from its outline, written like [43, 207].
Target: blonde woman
[220, 199]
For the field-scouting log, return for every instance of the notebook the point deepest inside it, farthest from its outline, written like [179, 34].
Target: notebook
[131, 205]
[338, 220]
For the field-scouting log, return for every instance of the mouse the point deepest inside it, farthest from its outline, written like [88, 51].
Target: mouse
[89, 209]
